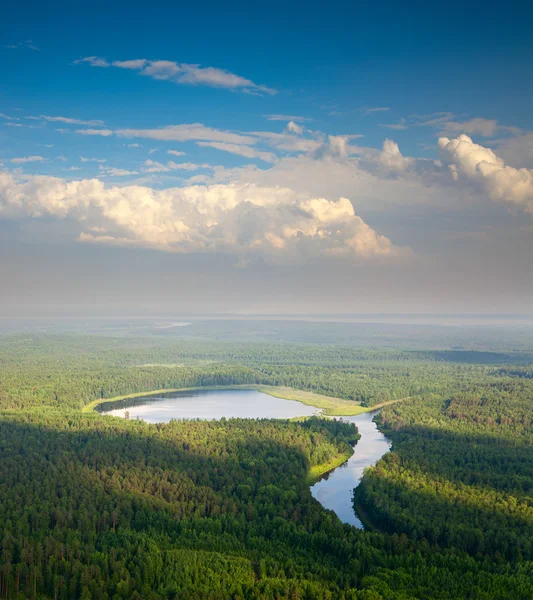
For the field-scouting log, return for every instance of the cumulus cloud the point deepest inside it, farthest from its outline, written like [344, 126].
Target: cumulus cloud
[241, 150]
[293, 127]
[183, 73]
[175, 152]
[391, 157]
[481, 166]
[247, 221]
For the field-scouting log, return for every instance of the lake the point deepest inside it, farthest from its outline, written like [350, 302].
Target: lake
[208, 404]
[334, 491]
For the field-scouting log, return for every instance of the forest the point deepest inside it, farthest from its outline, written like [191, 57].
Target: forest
[106, 508]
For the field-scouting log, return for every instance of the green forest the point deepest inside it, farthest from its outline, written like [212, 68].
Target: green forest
[107, 508]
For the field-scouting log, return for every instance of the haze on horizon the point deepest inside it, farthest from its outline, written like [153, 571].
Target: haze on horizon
[355, 159]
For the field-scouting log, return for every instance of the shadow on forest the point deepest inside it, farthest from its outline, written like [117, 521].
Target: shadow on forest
[457, 489]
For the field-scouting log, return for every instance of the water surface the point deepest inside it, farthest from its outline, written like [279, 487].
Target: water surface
[335, 489]
[207, 404]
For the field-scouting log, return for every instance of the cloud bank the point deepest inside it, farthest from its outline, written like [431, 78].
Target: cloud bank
[274, 224]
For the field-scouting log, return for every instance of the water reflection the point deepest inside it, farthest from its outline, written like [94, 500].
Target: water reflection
[207, 404]
[335, 490]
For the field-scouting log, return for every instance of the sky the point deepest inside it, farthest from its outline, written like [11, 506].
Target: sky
[290, 158]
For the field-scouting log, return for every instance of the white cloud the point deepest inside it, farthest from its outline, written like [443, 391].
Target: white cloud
[292, 127]
[175, 152]
[391, 157]
[4, 116]
[151, 166]
[102, 132]
[485, 127]
[483, 167]
[518, 151]
[399, 126]
[285, 118]
[94, 61]
[374, 109]
[241, 150]
[134, 145]
[184, 133]
[114, 172]
[25, 44]
[183, 73]
[97, 160]
[25, 159]
[274, 224]
[69, 120]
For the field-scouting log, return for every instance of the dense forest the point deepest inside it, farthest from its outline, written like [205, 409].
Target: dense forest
[105, 508]
[72, 370]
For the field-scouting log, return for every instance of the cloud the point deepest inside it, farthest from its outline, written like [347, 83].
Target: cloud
[151, 166]
[184, 133]
[391, 157]
[481, 166]
[97, 160]
[94, 61]
[274, 224]
[25, 44]
[241, 150]
[69, 120]
[517, 151]
[26, 159]
[292, 127]
[102, 132]
[374, 109]
[134, 145]
[485, 127]
[183, 73]
[399, 126]
[114, 172]
[175, 152]
[4, 116]
[288, 141]
[285, 118]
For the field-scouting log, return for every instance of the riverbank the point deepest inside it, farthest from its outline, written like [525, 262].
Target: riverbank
[316, 472]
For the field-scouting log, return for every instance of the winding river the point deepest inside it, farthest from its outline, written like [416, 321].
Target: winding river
[334, 490]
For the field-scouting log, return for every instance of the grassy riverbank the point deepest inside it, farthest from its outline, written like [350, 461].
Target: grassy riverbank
[317, 471]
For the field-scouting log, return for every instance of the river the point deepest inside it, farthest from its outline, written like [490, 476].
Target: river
[334, 490]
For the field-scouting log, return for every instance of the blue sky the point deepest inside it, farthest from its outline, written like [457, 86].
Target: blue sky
[258, 122]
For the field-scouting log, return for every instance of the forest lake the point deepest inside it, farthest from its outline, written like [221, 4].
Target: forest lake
[334, 490]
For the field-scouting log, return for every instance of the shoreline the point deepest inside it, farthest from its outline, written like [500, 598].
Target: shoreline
[318, 471]
[329, 406]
